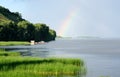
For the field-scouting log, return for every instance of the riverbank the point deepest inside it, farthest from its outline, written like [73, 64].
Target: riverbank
[17, 66]
[13, 43]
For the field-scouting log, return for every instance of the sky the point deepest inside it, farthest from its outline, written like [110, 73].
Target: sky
[72, 18]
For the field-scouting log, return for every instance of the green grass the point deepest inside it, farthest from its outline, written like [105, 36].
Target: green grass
[3, 18]
[4, 53]
[35, 67]
[19, 66]
[12, 43]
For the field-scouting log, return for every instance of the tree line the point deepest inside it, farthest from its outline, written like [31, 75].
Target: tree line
[25, 31]
[14, 28]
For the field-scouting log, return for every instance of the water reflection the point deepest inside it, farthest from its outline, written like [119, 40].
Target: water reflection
[35, 52]
[42, 52]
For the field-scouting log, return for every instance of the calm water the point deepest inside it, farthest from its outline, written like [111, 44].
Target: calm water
[102, 57]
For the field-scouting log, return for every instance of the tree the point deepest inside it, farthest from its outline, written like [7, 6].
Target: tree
[25, 31]
[41, 32]
[51, 35]
[8, 31]
[17, 14]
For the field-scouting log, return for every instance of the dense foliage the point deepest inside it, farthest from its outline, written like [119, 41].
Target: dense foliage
[14, 28]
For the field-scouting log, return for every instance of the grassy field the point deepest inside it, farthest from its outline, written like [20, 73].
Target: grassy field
[12, 43]
[17, 66]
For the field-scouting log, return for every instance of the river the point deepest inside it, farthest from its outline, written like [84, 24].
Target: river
[101, 56]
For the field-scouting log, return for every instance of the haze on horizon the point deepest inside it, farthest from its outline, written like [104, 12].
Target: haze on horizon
[97, 18]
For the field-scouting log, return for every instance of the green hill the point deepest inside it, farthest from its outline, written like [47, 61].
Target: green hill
[6, 15]
[14, 28]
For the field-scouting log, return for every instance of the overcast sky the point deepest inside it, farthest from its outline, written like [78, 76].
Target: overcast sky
[99, 18]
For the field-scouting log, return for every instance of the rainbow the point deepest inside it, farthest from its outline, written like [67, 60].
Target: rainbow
[62, 31]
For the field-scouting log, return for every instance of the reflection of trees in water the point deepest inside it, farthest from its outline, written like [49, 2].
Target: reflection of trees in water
[37, 52]
[25, 52]
[40, 52]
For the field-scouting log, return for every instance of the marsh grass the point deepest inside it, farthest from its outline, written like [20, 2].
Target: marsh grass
[12, 43]
[36, 67]
[19, 66]
[4, 53]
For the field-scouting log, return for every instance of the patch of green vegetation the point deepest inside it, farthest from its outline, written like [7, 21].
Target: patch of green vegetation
[4, 53]
[6, 15]
[17, 66]
[3, 18]
[12, 43]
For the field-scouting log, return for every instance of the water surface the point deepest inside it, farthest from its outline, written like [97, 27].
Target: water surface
[101, 56]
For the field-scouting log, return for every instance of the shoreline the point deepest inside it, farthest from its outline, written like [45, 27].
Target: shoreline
[13, 43]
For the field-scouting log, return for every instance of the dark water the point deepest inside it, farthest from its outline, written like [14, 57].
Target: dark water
[101, 56]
